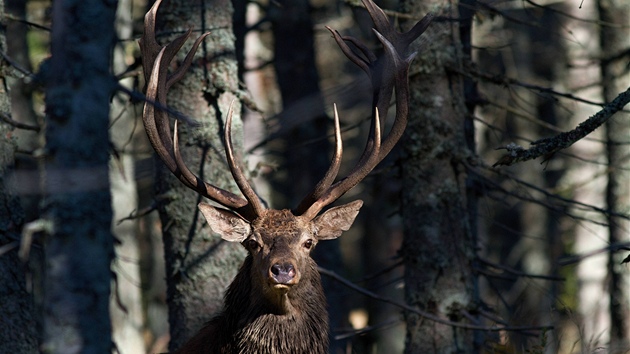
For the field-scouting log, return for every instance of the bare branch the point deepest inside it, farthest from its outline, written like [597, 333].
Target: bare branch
[518, 273]
[548, 146]
[368, 329]
[580, 257]
[9, 120]
[16, 66]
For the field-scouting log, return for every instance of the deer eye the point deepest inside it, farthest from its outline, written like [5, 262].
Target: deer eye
[308, 244]
[252, 245]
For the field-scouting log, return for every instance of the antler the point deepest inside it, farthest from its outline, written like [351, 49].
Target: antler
[387, 73]
[155, 60]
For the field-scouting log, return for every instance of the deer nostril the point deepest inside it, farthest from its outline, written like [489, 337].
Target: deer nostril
[283, 272]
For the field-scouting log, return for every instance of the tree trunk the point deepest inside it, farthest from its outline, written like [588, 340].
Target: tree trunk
[438, 244]
[126, 306]
[199, 265]
[18, 328]
[79, 247]
[614, 41]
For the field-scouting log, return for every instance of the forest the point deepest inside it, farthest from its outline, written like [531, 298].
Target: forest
[498, 223]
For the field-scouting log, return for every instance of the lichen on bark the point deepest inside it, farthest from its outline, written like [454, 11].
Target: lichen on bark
[438, 244]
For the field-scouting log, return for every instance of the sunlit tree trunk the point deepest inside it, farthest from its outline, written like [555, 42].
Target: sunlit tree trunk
[588, 182]
[199, 265]
[79, 245]
[614, 42]
[438, 246]
[126, 306]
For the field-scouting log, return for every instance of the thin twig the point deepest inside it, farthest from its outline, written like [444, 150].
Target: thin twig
[518, 272]
[9, 120]
[625, 246]
[424, 314]
[505, 81]
[135, 95]
[555, 196]
[28, 23]
[15, 65]
[139, 213]
[367, 329]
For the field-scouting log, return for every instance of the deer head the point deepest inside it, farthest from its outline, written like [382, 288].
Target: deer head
[279, 241]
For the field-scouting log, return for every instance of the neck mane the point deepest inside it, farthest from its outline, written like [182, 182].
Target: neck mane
[296, 323]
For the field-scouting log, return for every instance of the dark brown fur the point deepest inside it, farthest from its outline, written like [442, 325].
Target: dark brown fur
[276, 303]
[260, 318]
[248, 325]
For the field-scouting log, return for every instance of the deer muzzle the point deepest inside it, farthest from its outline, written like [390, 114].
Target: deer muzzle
[283, 274]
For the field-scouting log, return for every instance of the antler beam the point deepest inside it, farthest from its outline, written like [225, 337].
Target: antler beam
[155, 60]
[386, 73]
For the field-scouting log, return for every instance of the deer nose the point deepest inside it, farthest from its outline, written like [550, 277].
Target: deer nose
[283, 273]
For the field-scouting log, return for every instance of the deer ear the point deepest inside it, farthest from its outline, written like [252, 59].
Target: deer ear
[225, 223]
[336, 220]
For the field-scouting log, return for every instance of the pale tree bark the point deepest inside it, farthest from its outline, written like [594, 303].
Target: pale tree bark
[199, 265]
[614, 42]
[18, 328]
[126, 305]
[438, 244]
[79, 245]
[588, 183]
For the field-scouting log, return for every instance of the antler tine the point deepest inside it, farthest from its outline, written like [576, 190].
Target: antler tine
[387, 73]
[401, 85]
[330, 175]
[240, 179]
[356, 175]
[155, 118]
[209, 191]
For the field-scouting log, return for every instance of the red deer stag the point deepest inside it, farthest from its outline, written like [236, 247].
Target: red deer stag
[276, 303]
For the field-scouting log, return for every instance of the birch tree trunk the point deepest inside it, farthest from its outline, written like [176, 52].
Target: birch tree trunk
[615, 79]
[79, 246]
[438, 244]
[199, 265]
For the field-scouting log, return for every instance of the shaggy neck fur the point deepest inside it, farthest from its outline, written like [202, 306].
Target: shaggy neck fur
[295, 322]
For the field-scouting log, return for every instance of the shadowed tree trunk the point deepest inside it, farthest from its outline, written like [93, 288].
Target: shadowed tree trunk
[438, 246]
[79, 246]
[614, 67]
[304, 123]
[22, 104]
[302, 118]
[199, 265]
[18, 328]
